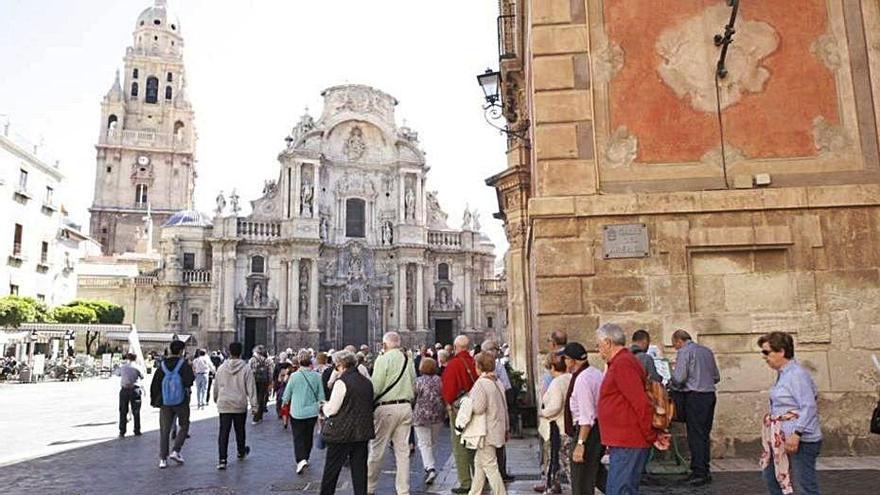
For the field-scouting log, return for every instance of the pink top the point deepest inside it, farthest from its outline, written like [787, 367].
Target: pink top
[584, 401]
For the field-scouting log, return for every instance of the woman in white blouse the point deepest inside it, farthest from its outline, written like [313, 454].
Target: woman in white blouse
[553, 416]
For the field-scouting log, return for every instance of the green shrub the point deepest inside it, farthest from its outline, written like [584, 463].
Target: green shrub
[75, 314]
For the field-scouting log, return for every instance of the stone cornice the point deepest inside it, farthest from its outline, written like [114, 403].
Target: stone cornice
[706, 201]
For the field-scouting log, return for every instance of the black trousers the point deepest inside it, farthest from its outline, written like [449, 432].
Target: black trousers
[227, 422]
[590, 474]
[303, 436]
[699, 409]
[263, 399]
[130, 398]
[338, 454]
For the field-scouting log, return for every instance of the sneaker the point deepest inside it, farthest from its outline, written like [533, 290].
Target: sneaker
[221, 465]
[247, 450]
[461, 490]
[176, 457]
[430, 476]
[540, 488]
[163, 464]
[301, 465]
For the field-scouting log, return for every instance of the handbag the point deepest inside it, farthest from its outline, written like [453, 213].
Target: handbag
[875, 420]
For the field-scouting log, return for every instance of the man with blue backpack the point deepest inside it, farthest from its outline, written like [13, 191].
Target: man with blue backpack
[170, 392]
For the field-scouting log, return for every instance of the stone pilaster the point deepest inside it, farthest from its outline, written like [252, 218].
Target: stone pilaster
[313, 296]
[293, 296]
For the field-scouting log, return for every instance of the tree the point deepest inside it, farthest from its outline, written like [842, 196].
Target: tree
[75, 314]
[105, 313]
[15, 310]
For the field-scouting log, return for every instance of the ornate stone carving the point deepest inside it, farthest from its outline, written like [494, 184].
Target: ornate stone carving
[305, 268]
[828, 137]
[305, 125]
[359, 99]
[608, 59]
[436, 216]
[387, 233]
[233, 201]
[828, 50]
[685, 47]
[257, 297]
[355, 262]
[324, 229]
[355, 184]
[221, 203]
[409, 204]
[270, 187]
[466, 218]
[622, 148]
[306, 199]
[476, 223]
[355, 146]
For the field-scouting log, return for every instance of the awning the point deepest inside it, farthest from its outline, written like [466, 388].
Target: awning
[163, 337]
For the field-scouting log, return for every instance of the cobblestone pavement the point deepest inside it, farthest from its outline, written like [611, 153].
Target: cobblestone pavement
[61, 438]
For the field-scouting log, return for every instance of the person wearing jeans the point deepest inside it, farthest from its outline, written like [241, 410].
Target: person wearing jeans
[168, 413]
[202, 367]
[304, 393]
[428, 415]
[791, 433]
[234, 387]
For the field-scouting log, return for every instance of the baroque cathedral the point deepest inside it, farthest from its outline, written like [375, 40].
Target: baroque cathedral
[345, 243]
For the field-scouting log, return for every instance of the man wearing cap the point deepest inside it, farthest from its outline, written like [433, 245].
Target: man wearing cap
[581, 425]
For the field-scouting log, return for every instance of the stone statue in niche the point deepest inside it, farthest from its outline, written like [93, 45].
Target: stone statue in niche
[258, 296]
[304, 289]
[233, 200]
[355, 262]
[173, 312]
[324, 229]
[355, 145]
[409, 203]
[221, 203]
[306, 199]
[387, 233]
[466, 218]
[444, 297]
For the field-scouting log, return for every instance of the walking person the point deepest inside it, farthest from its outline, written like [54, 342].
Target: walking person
[491, 346]
[304, 393]
[262, 371]
[129, 395]
[394, 380]
[234, 387]
[581, 417]
[202, 367]
[625, 413]
[695, 374]
[458, 378]
[487, 427]
[552, 413]
[170, 392]
[428, 415]
[791, 432]
[348, 426]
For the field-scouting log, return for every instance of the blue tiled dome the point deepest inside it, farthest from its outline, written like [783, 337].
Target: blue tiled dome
[188, 218]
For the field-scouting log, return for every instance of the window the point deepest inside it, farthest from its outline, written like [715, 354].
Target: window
[168, 92]
[354, 217]
[443, 271]
[134, 74]
[16, 241]
[194, 320]
[490, 322]
[134, 90]
[22, 180]
[152, 90]
[169, 77]
[13, 290]
[50, 195]
[157, 22]
[109, 169]
[111, 121]
[189, 261]
[140, 195]
[44, 252]
[257, 264]
[41, 297]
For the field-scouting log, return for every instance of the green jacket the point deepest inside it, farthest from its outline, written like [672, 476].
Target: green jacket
[304, 392]
[386, 370]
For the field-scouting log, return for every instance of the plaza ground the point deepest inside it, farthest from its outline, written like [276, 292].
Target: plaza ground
[62, 438]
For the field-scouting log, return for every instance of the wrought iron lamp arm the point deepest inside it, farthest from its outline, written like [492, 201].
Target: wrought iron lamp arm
[724, 40]
[493, 112]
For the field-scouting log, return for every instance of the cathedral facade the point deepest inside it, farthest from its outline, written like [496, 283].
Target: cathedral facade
[345, 243]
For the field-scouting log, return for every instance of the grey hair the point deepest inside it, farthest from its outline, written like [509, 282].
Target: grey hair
[612, 332]
[392, 339]
[462, 342]
[489, 345]
[442, 355]
[345, 358]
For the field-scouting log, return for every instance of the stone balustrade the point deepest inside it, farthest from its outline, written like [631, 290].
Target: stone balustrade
[493, 286]
[258, 230]
[145, 138]
[197, 277]
[443, 239]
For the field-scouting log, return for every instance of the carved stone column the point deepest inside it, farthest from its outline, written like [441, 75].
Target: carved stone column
[401, 206]
[283, 301]
[418, 203]
[313, 296]
[420, 296]
[316, 189]
[297, 173]
[468, 303]
[229, 299]
[293, 296]
[401, 297]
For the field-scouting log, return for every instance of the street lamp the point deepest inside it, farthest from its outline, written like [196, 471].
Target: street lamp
[493, 110]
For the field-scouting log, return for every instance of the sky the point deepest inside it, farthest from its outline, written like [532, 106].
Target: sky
[253, 66]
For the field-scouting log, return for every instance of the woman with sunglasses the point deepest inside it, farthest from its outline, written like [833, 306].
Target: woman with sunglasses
[791, 434]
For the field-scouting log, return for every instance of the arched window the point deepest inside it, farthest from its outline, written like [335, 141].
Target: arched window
[354, 217]
[111, 121]
[134, 73]
[257, 264]
[169, 77]
[140, 195]
[443, 271]
[134, 89]
[152, 90]
[178, 130]
[168, 92]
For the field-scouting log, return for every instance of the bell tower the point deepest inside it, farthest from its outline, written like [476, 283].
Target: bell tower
[146, 138]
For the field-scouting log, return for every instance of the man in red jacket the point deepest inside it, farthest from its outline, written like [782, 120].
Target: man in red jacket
[458, 378]
[625, 413]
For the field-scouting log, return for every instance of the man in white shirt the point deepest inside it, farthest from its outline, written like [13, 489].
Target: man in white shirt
[202, 366]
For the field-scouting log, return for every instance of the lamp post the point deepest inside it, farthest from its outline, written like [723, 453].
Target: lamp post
[493, 110]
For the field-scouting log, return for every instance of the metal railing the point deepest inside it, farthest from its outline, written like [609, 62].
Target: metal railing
[443, 239]
[16, 249]
[197, 276]
[258, 230]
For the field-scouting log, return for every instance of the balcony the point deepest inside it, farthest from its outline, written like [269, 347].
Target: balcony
[196, 277]
[507, 32]
[258, 230]
[444, 240]
[145, 280]
[141, 206]
[49, 207]
[493, 286]
[146, 139]
[21, 193]
[43, 264]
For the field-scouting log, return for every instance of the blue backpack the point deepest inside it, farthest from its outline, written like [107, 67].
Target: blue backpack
[172, 386]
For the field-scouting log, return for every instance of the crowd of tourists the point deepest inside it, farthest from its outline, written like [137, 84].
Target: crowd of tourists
[598, 425]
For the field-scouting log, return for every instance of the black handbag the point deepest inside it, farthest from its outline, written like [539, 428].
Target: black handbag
[678, 398]
[875, 420]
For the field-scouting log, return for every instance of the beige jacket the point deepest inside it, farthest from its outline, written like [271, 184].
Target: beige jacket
[487, 396]
[553, 406]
